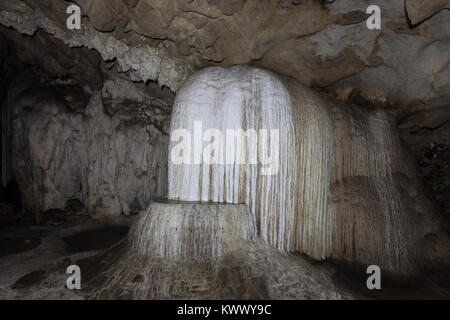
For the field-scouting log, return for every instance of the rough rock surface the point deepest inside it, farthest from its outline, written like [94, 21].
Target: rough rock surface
[427, 133]
[190, 232]
[418, 11]
[321, 44]
[60, 62]
[107, 150]
[33, 250]
[380, 210]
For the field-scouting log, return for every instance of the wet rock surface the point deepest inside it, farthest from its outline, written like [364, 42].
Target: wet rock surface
[31, 279]
[163, 42]
[344, 188]
[253, 270]
[15, 245]
[204, 251]
[34, 259]
[427, 133]
[95, 239]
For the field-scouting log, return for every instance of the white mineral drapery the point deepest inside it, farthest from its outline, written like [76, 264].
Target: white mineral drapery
[290, 207]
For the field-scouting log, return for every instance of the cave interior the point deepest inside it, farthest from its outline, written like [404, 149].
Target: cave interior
[88, 120]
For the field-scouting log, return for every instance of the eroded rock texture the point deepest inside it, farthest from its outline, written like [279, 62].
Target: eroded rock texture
[379, 209]
[108, 150]
[427, 133]
[324, 44]
[320, 43]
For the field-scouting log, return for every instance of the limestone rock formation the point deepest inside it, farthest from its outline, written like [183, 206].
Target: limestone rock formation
[204, 251]
[108, 150]
[418, 11]
[287, 194]
[374, 212]
[191, 232]
[427, 133]
[86, 119]
[321, 44]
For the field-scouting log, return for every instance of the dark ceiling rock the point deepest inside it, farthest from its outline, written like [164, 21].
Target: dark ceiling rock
[427, 132]
[55, 59]
[105, 14]
[419, 10]
[323, 44]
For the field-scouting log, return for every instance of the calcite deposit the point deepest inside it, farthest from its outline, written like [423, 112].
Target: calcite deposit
[339, 135]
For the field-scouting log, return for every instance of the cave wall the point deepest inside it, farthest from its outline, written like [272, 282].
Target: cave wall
[107, 149]
[324, 44]
[380, 210]
[92, 125]
[427, 133]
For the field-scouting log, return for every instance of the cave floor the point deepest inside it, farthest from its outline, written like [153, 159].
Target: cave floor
[34, 259]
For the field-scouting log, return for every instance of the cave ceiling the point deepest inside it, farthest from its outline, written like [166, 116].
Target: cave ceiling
[323, 44]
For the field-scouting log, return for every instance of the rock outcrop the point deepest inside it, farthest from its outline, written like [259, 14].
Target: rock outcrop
[94, 125]
[204, 251]
[324, 44]
[380, 211]
[427, 133]
[345, 186]
[108, 150]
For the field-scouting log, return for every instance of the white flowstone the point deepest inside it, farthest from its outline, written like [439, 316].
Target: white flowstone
[191, 232]
[181, 250]
[346, 188]
[380, 213]
[289, 206]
